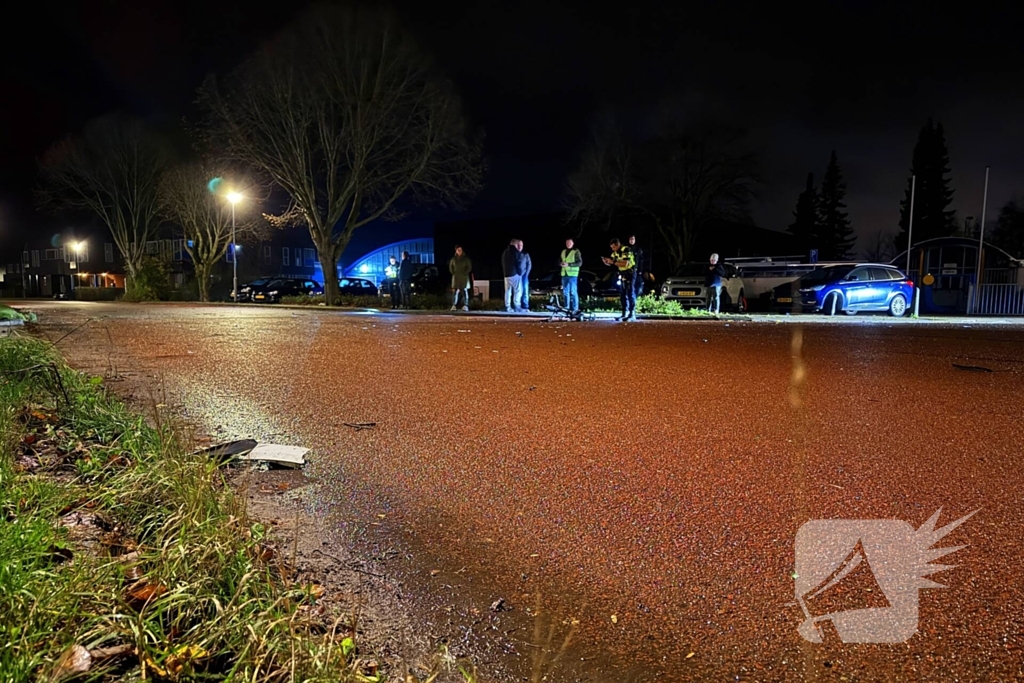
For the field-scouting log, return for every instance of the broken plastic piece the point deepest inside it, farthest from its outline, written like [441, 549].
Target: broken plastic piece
[285, 456]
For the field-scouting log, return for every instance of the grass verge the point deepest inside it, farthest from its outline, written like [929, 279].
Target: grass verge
[125, 557]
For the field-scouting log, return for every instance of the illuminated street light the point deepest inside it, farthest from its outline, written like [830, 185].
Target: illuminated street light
[234, 198]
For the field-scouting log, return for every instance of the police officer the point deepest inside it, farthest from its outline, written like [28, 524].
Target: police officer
[391, 282]
[623, 259]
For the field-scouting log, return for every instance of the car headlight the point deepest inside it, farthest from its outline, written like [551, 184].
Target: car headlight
[273, 293]
[815, 288]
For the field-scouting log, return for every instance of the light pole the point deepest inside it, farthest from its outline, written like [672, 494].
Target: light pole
[76, 249]
[234, 198]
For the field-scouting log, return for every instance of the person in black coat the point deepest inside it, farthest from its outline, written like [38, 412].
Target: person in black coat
[405, 271]
[512, 269]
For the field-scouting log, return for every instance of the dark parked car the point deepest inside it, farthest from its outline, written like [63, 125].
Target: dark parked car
[551, 283]
[246, 291]
[356, 286]
[850, 289]
[428, 280]
[275, 290]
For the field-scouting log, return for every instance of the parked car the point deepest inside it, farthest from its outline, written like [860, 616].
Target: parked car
[605, 286]
[427, 280]
[688, 288]
[357, 286]
[275, 290]
[551, 283]
[863, 287]
[246, 291]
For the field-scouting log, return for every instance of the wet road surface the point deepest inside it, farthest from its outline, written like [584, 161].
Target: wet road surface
[647, 480]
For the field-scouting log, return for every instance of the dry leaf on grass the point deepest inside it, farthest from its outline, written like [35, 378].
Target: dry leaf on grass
[75, 660]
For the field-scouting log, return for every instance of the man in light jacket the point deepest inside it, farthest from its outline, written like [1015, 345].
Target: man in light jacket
[571, 262]
[512, 269]
[461, 268]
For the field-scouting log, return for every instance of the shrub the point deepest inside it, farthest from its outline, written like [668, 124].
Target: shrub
[98, 293]
[653, 304]
[152, 282]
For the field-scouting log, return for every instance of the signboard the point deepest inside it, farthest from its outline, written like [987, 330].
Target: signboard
[814, 256]
[950, 268]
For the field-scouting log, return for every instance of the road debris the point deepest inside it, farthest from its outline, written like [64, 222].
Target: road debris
[291, 457]
[500, 605]
[360, 426]
[972, 368]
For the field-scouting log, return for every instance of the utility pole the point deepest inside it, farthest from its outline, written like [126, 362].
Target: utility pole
[910, 227]
[973, 301]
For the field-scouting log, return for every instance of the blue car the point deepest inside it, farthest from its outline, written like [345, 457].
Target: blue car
[853, 288]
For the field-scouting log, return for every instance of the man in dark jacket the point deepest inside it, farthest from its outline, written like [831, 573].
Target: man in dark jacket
[461, 268]
[512, 268]
[524, 280]
[405, 279]
[641, 266]
[713, 282]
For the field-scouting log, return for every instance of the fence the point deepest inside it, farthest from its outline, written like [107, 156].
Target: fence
[997, 299]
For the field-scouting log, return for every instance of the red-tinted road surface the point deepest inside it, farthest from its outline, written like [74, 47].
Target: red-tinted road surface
[646, 479]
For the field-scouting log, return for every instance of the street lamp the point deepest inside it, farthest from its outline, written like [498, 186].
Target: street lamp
[76, 248]
[234, 198]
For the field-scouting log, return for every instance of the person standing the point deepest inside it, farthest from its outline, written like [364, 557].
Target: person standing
[391, 282]
[524, 280]
[713, 282]
[622, 258]
[571, 262]
[512, 269]
[460, 267]
[639, 255]
[405, 280]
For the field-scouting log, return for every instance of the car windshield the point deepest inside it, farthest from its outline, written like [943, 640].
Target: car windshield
[693, 270]
[824, 276]
[257, 283]
[277, 283]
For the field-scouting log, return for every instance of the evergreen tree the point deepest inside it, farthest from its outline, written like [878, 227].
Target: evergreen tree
[933, 194]
[1009, 231]
[804, 227]
[835, 234]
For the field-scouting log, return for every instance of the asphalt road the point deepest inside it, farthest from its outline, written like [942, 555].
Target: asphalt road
[647, 480]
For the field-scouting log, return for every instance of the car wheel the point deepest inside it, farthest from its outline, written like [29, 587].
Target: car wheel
[849, 312]
[898, 306]
[833, 305]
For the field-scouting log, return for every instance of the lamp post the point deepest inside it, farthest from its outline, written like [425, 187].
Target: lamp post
[76, 249]
[234, 198]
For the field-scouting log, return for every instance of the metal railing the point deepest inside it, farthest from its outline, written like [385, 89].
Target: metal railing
[997, 299]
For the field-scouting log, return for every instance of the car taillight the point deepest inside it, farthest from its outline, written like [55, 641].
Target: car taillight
[909, 283]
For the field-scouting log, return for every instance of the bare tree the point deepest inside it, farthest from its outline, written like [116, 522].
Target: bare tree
[679, 182]
[692, 178]
[604, 186]
[880, 249]
[347, 116]
[111, 170]
[203, 216]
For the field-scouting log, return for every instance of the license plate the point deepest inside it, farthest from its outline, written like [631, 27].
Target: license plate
[259, 296]
[687, 292]
[785, 299]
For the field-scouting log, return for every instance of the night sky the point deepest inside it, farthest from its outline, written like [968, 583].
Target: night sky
[858, 77]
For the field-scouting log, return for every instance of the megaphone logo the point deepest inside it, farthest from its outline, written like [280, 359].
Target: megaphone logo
[858, 579]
